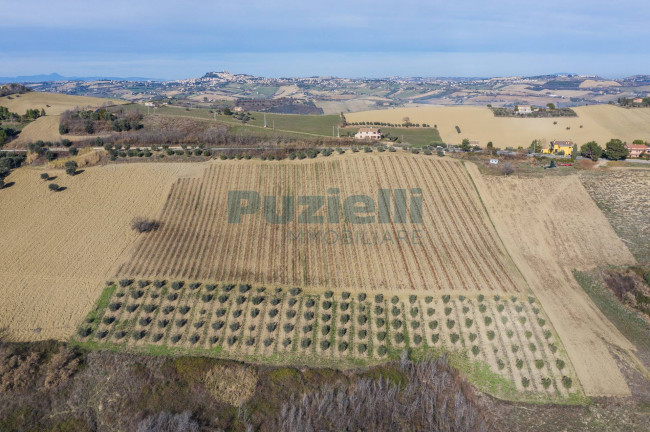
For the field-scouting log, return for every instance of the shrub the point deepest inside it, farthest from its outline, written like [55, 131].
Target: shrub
[382, 350]
[532, 347]
[435, 338]
[454, 337]
[528, 334]
[183, 310]
[273, 312]
[267, 342]
[345, 318]
[163, 323]
[181, 322]
[275, 301]
[504, 319]
[228, 287]
[451, 323]
[325, 330]
[235, 326]
[380, 322]
[519, 363]
[125, 282]
[120, 334]
[481, 297]
[566, 382]
[482, 308]
[145, 321]
[362, 297]
[490, 335]
[194, 285]
[141, 224]
[519, 308]
[307, 328]
[84, 332]
[240, 299]
[448, 311]
[345, 295]
[222, 298]
[433, 324]
[108, 320]
[326, 317]
[206, 297]
[344, 306]
[396, 311]
[525, 382]
[270, 327]
[547, 334]
[305, 343]
[286, 342]
[560, 364]
[362, 319]
[309, 315]
[250, 341]
[176, 285]
[541, 322]
[446, 298]
[295, 291]
[210, 287]
[394, 300]
[500, 364]
[291, 313]
[288, 328]
[468, 322]
[397, 324]
[412, 298]
[136, 294]
[475, 350]
[362, 334]
[472, 337]
[255, 312]
[379, 310]
[327, 304]
[132, 307]
[143, 283]
[415, 311]
[292, 301]
[218, 325]
[310, 302]
[328, 294]
[539, 364]
[465, 309]
[324, 345]
[500, 307]
[168, 309]
[522, 320]
[231, 340]
[509, 333]
[415, 324]
[515, 348]
[546, 382]
[343, 331]
[102, 334]
[379, 298]
[431, 311]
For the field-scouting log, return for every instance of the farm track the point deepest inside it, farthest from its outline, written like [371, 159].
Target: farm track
[458, 249]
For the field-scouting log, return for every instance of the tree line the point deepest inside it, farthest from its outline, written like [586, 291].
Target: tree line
[101, 120]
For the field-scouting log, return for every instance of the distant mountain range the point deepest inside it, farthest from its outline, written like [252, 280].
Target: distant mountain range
[56, 77]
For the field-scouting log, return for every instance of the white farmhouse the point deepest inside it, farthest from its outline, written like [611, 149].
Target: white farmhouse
[524, 109]
[368, 134]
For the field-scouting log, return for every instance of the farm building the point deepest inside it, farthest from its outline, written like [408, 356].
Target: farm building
[559, 147]
[524, 109]
[368, 134]
[636, 150]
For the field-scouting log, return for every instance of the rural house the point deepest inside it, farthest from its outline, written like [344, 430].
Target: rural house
[368, 134]
[559, 147]
[636, 150]
[524, 109]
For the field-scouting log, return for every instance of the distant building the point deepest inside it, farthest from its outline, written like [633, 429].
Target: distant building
[238, 109]
[636, 150]
[473, 143]
[149, 104]
[637, 100]
[559, 147]
[524, 109]
[368, 134]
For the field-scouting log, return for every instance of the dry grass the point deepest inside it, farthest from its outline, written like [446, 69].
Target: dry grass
[58, 103]
[86, 157]
[599, 123]
[551, 226]
[59, 247]
[231, 384]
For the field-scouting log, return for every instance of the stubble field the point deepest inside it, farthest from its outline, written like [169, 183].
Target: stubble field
[599, 122]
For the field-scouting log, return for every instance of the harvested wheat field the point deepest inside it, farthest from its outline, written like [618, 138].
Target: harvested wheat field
[551, 227]
[599, 122]
[453, 248]
[47, 128]
[58, 247]
[52, 103]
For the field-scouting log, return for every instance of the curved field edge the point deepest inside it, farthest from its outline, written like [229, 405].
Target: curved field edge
[541, 221]
[478, 366]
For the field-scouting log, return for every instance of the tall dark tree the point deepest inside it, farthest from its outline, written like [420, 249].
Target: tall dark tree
[615, 150]
[591, 150]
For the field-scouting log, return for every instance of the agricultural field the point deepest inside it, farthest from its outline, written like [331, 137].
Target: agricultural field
[58, 248]
[47, 128]
[510, 334]
[623, 196]
[599, 122]
[453, 248]
[551, 226]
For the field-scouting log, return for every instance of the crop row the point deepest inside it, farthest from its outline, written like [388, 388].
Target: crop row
[511, 335]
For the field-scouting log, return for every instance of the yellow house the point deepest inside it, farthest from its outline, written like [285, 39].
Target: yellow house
[559, 147]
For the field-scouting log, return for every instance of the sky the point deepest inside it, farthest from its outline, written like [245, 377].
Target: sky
[183, 39]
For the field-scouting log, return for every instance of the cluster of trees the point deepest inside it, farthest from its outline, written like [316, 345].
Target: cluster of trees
[552, 111]
[30, 114]
[465, 146]
[13, 88]
[9, 161]
[629, 102]
[243, 117]
[614, 150]
[101, 120]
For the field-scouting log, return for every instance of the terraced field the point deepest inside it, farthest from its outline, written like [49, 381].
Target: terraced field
[454, 248]
[511, 334]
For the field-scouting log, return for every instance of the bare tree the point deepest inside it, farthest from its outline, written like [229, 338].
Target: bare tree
[507, 168]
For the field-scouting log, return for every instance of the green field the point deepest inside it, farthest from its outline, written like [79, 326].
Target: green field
[293, 125]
